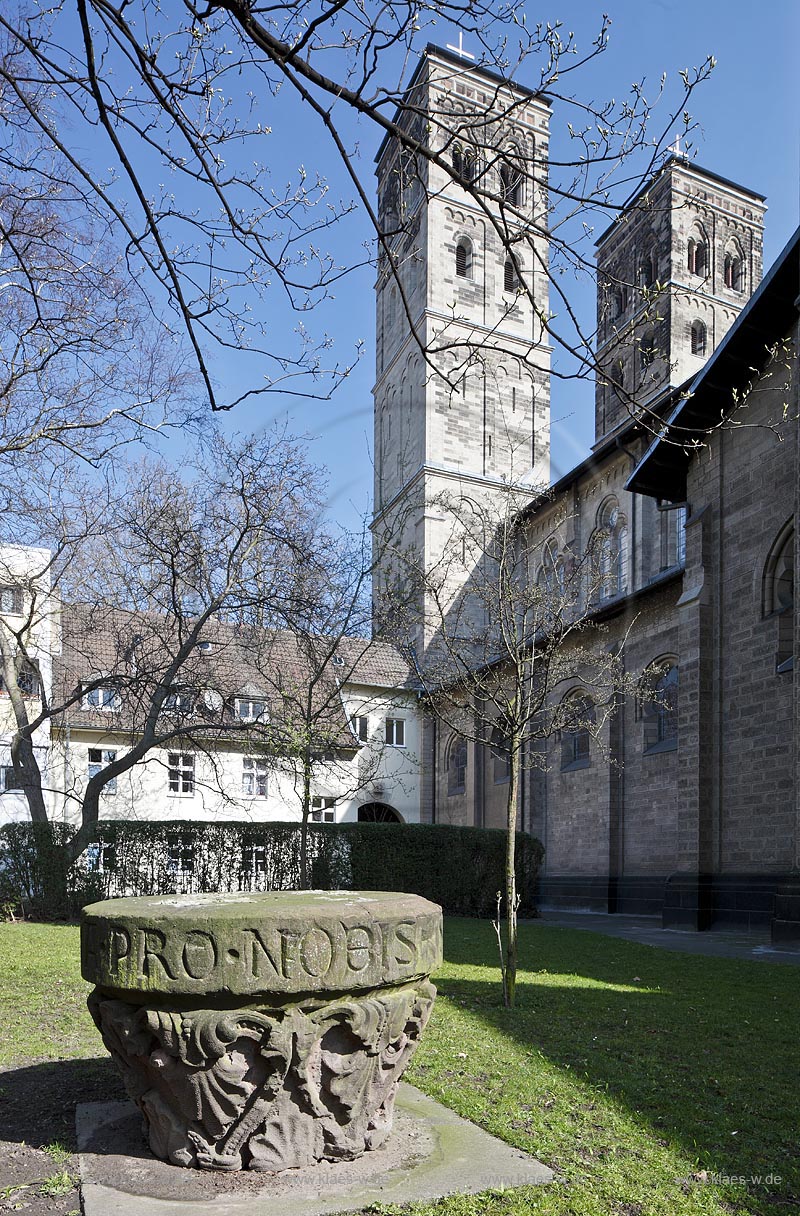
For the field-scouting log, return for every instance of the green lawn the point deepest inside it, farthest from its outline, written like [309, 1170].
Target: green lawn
[636, 1073]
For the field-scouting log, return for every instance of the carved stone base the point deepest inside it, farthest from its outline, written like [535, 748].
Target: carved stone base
[266, 1087]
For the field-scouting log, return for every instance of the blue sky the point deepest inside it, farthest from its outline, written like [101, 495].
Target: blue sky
[749, 116]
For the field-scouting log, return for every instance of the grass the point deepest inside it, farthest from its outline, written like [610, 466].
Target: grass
[639, 1075]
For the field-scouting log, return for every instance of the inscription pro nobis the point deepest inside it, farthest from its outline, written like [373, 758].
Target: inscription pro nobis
[249, 959]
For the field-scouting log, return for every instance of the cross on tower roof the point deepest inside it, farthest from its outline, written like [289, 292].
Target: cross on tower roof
[459, 50]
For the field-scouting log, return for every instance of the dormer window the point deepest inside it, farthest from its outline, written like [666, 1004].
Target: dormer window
[178, 701]
[11, 600]
[103, 697]
[250, 709]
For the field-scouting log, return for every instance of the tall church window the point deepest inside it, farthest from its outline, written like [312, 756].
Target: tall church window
[464, 258]
[611, 552]
[647, 270]
[510, 184]
[578, 719]
[659, 706]
[510, 277]
[457, 765]
[697, 254]
[733, 272]
[464, 163]
[778, 596]
[699, 338]
[647, 349]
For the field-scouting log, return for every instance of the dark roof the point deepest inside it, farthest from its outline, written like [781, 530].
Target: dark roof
[767, 317]
[681, 161]
[464, 65]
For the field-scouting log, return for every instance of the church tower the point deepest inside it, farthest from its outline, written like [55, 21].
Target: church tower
[674, 271]
[461, 399]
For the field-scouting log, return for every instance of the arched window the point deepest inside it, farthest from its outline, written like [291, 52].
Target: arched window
[577, 725]
[501, 755]
[698, 338]
[464, 258]
[464, 163]
[659, 706]
[697, 253]
[734, 267]
[647, 270]
[618, 375]
[510, 184]
[611, 551]
[647, 349]
[457, 765]
[619, 301]
[778, 596]
[510, 277]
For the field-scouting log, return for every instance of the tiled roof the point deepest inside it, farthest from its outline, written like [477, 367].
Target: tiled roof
[298, 677]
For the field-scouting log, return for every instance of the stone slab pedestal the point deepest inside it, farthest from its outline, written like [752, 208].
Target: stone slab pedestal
[262, 1031]
[431, 1153]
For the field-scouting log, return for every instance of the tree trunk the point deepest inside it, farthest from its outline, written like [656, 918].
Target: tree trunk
[28, 773]
[509, 987]
[306, 811]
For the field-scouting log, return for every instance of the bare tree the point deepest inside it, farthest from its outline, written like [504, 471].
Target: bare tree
[324, 647]
[181, 103]
[162, 573]
[516, 656]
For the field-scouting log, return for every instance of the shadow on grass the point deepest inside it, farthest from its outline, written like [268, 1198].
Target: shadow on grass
[702, 1053]
[37, 1101]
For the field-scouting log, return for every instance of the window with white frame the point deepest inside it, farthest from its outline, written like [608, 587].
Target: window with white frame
[104, 697]
[254, 776]
[250, 709]
[178, 701]
[395, 732]
[98, 759]
[11, 600]
[180, 768]
[322, 809]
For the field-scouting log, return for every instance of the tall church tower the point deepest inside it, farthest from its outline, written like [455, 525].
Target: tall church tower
[461, 398]
[674, 271]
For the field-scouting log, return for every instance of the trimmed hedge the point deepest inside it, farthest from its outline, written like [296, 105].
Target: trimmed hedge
[459, 868]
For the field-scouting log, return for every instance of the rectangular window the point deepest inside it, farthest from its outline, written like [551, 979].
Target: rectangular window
[250, 709]
[8, 779]
[396, 732]
[254, 777]
[11, 600]
[360, 725]
[104, 697]
[254, 860]
[322, 810]
[178, 701]
[180, 860]
[181, 772]
[101, 857]
[100, 758]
